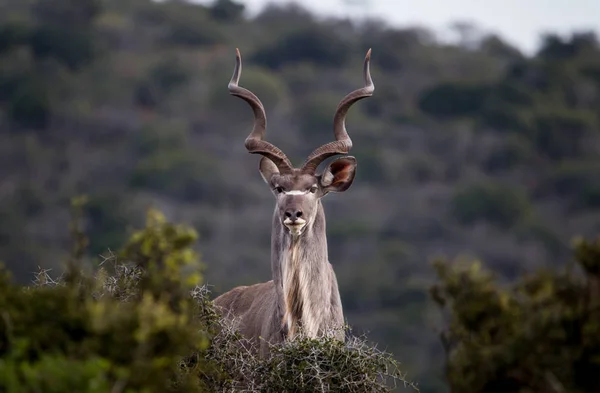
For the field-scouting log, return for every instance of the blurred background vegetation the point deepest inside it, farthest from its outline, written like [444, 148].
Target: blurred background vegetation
[474, 151]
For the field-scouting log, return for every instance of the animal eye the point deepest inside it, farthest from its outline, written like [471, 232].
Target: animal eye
[313, 189]
[279, 190]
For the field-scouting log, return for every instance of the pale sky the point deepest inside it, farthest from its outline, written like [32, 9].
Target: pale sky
[519, 22]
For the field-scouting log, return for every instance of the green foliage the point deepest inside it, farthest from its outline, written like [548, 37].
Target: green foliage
[186, 25]
[315, 115]
[166, 254]
[540, 334]
[227, 10]
[51, 41]
[106, 222]
[162, 79]
[314, 44]
[559, 134]
[166, 163]
[499, 204]
[64, 31]
[57, 34]
[514, 151]
[395, 46]
[30, 105]
[454, 100]
[127, 102]
[127, 327]
[495, 46]
[556, 47]
[576, 182]
[13, 33]
[538, 230]
[142, 322]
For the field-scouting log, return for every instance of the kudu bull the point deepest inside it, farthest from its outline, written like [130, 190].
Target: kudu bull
[303, 295]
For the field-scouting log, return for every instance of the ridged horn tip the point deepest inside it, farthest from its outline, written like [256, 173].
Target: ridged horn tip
[235, 78]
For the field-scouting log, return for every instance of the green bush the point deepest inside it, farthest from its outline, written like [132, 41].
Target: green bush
[65, 31]
[499, 204]
[142, 323]
[165, 163]
[559, 134]
[541, 334]
[163, 78]
[312, 44]
[513, 151]
[315, 115]
[124, 328]
[106, 222]
[30, 105]
[188, 25]
[227, 10]
[454, 99]
[12, 34]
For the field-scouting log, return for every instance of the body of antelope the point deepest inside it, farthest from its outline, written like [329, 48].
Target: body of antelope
[303, 295]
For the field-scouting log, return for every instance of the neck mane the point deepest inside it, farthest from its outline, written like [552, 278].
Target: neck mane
[301, 274]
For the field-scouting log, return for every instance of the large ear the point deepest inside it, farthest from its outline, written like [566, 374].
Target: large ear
[339, 174]
[267, 169]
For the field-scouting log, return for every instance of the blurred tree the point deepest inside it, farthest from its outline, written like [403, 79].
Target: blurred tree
[162, 78]
[13, 33]
[227, 10]
[559, 133]
[395, 48]
[30, 105]
[185, 24]
[107, 222]
[541, 334]
[65, 31]
[554, 47]
[284, 18]
[125, 328]
[499, 204]
[454, 100]
[77, 105]
[576, 182]
[494, 45]
[512, 152]
[314, 44]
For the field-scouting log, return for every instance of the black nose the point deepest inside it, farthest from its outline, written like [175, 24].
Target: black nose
[293, 214]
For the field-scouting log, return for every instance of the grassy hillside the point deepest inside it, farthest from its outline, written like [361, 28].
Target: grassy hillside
[463, 150]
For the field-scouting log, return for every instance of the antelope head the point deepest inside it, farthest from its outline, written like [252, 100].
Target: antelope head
[299, 190]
